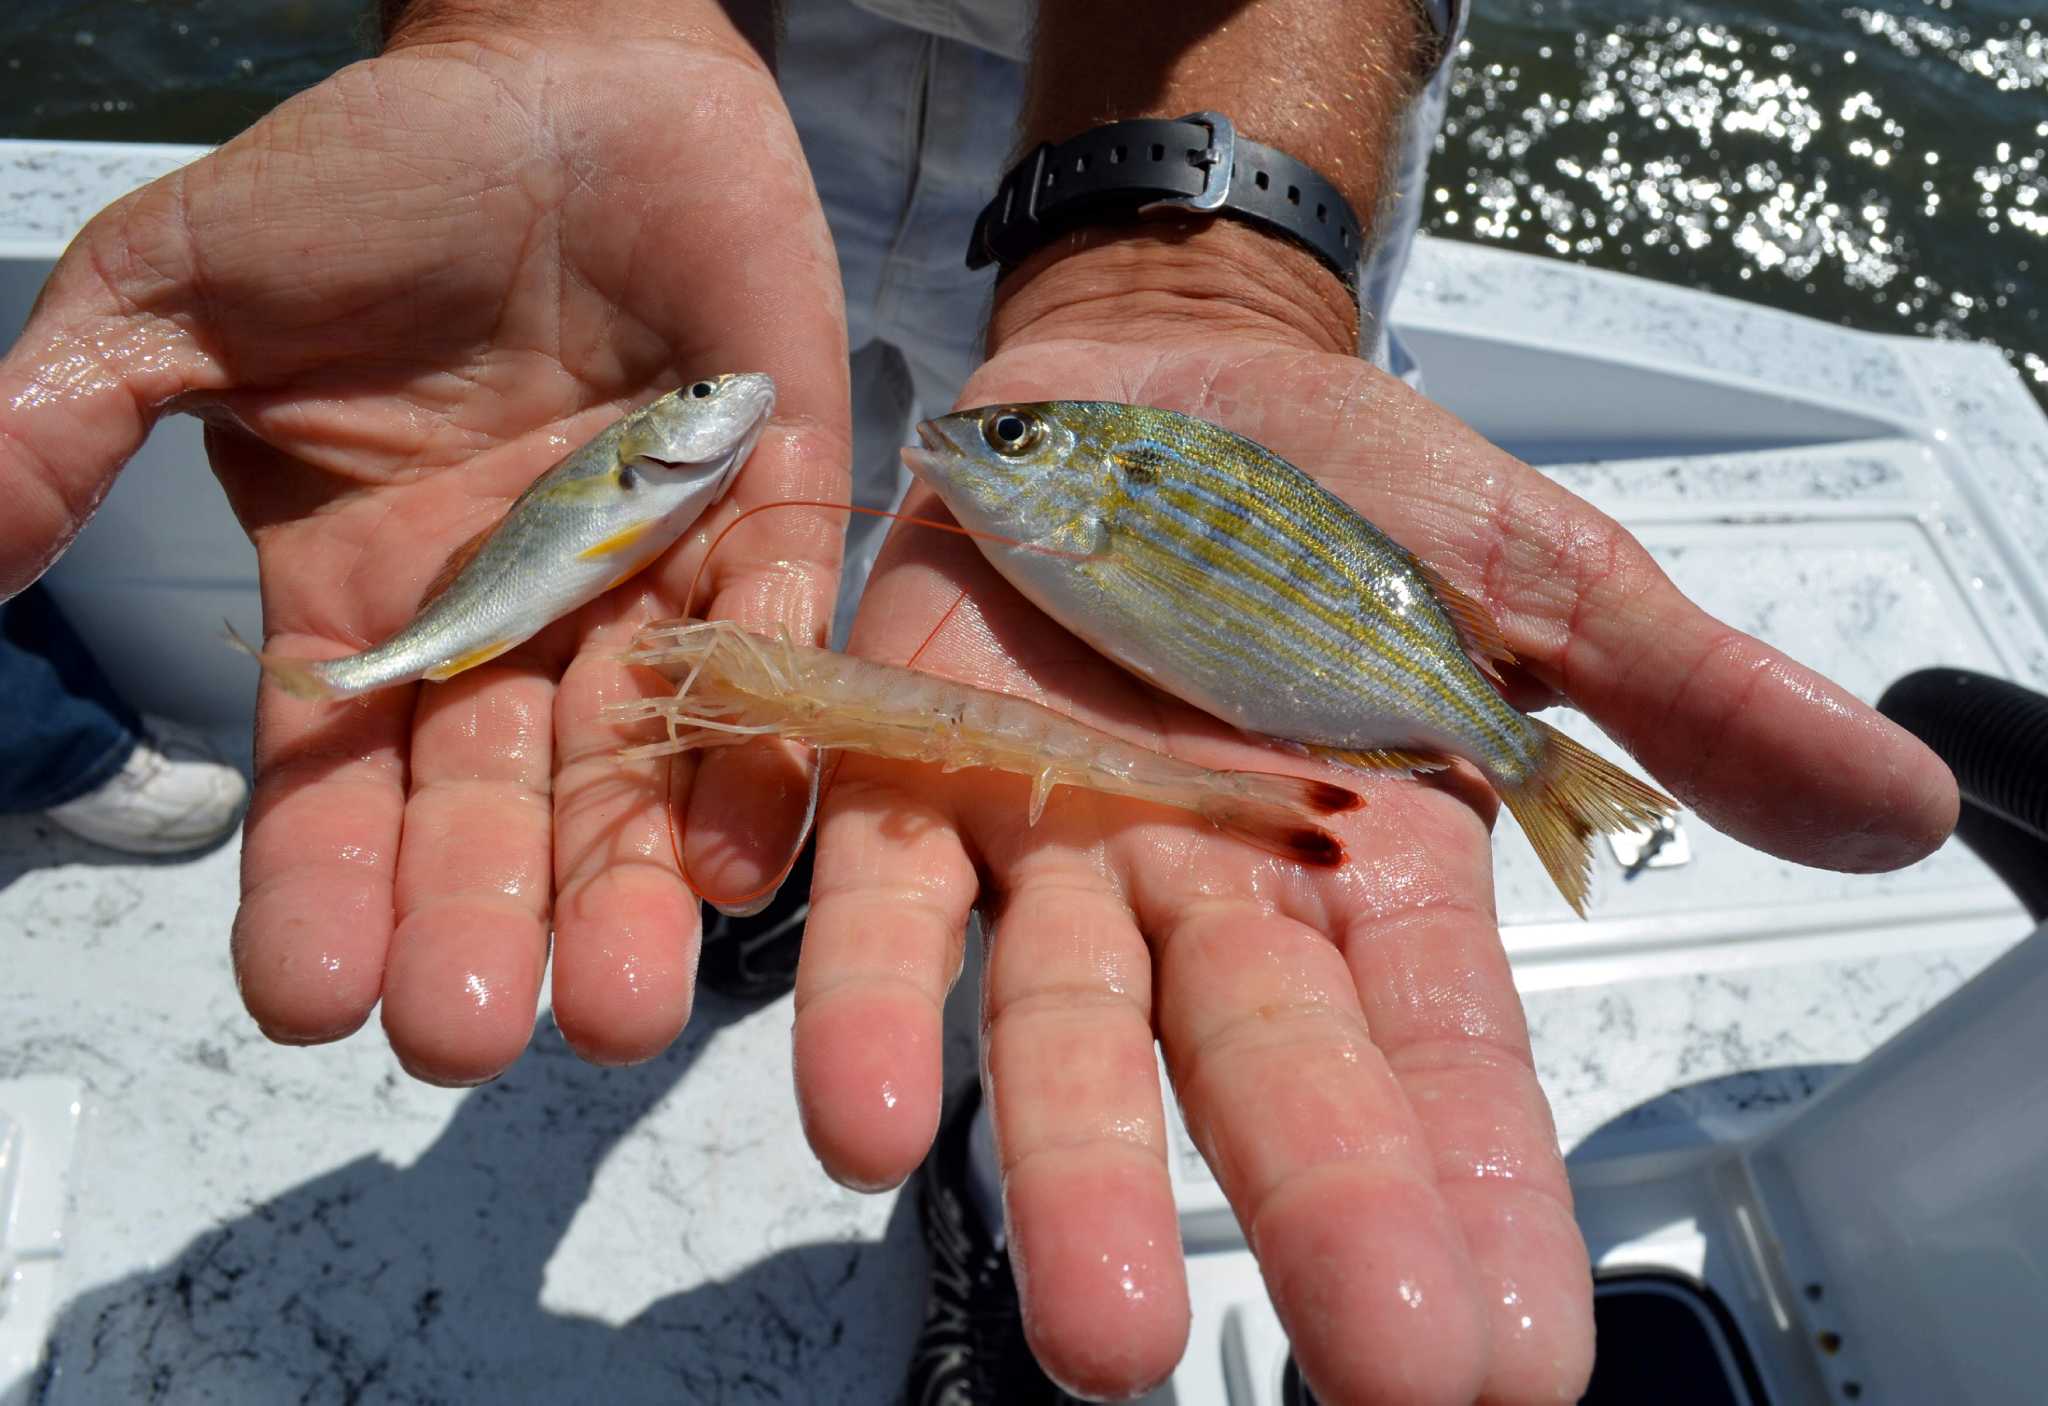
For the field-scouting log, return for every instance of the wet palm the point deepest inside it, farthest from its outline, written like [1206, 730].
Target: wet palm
[396, 300]
[1348, 1049]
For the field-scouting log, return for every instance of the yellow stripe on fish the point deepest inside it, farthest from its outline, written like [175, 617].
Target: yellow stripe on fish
[618, 542]
[463, 663]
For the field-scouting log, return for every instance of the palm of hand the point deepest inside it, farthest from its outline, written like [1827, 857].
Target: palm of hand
[1347, 1047]
[396, 301]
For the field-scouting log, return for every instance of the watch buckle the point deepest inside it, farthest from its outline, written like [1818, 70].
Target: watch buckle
[1218, 162]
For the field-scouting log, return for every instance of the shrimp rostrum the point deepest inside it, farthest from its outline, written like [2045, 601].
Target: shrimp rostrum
[732, 685]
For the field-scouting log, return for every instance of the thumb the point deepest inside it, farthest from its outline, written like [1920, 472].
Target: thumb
[95, 366]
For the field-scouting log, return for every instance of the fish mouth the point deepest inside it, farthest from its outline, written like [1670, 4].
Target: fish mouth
[737, 458]
[925, 462]
[759, 389]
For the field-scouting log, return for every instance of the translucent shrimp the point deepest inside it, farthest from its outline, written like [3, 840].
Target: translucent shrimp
[733, 685]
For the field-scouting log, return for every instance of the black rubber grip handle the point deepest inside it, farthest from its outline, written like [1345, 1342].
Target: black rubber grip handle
[1992, 732]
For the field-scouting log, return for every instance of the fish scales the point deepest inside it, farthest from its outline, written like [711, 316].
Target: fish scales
[1277, 568]
[1228, 577]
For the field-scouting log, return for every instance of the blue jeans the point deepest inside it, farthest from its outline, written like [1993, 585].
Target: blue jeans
[63, 729]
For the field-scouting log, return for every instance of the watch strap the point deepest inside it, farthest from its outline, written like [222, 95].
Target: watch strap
[1135, 168]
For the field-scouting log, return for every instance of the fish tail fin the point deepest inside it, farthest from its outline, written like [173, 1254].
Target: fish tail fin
[1571, 795]
[298, 677]
[1277, 813]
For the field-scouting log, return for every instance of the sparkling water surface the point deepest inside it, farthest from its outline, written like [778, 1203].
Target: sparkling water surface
[1883, 165]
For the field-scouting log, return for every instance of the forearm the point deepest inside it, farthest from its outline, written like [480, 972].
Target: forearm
[407, 22]
[1325, 81]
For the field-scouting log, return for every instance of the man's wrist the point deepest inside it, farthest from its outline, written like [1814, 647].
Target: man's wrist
[1324, 81]
[1175, 278]
[746, 26]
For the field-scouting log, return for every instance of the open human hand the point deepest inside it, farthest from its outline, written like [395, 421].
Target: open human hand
[1347, 1047]
[395, 301]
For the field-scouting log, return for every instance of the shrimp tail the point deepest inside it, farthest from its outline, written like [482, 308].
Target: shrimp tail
[1571, 795]
[1274, 812]
[299, 677]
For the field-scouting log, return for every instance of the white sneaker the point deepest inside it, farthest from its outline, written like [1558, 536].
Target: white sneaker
[174, 794]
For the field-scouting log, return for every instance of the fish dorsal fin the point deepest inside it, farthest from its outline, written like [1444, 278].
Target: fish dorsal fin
[450, 569]
[1478, 631]
[1409, 759]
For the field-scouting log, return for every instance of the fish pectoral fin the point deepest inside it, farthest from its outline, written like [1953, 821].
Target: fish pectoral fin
[620, 541]
[1477, 630]
[1414, 760]
[462, 663]
[1166, 573]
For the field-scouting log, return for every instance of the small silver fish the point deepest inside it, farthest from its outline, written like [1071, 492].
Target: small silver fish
[1231, 579]
[594, 519]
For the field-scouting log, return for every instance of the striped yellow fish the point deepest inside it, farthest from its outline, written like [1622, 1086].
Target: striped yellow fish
[1231, 579]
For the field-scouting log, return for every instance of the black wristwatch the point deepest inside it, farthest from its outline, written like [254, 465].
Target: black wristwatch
[1128, 169]
[1197, 162]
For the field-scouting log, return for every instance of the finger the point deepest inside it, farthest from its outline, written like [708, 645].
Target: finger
[1328, 1169]
[890, 891]
[473, 879]
[80, 389]
[746, 807]
[1436, 992]
[778, 308]
[1764, 748]
[1080, 1129]
[626, 924]
[320, 856]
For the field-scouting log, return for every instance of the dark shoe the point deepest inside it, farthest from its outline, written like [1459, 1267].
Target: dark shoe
[754, 958]
[972, 1350]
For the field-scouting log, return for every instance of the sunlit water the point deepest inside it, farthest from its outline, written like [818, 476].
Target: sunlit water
[1883, 165]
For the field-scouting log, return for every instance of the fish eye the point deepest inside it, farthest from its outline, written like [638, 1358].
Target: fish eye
[1010, 433]
[701, 390]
